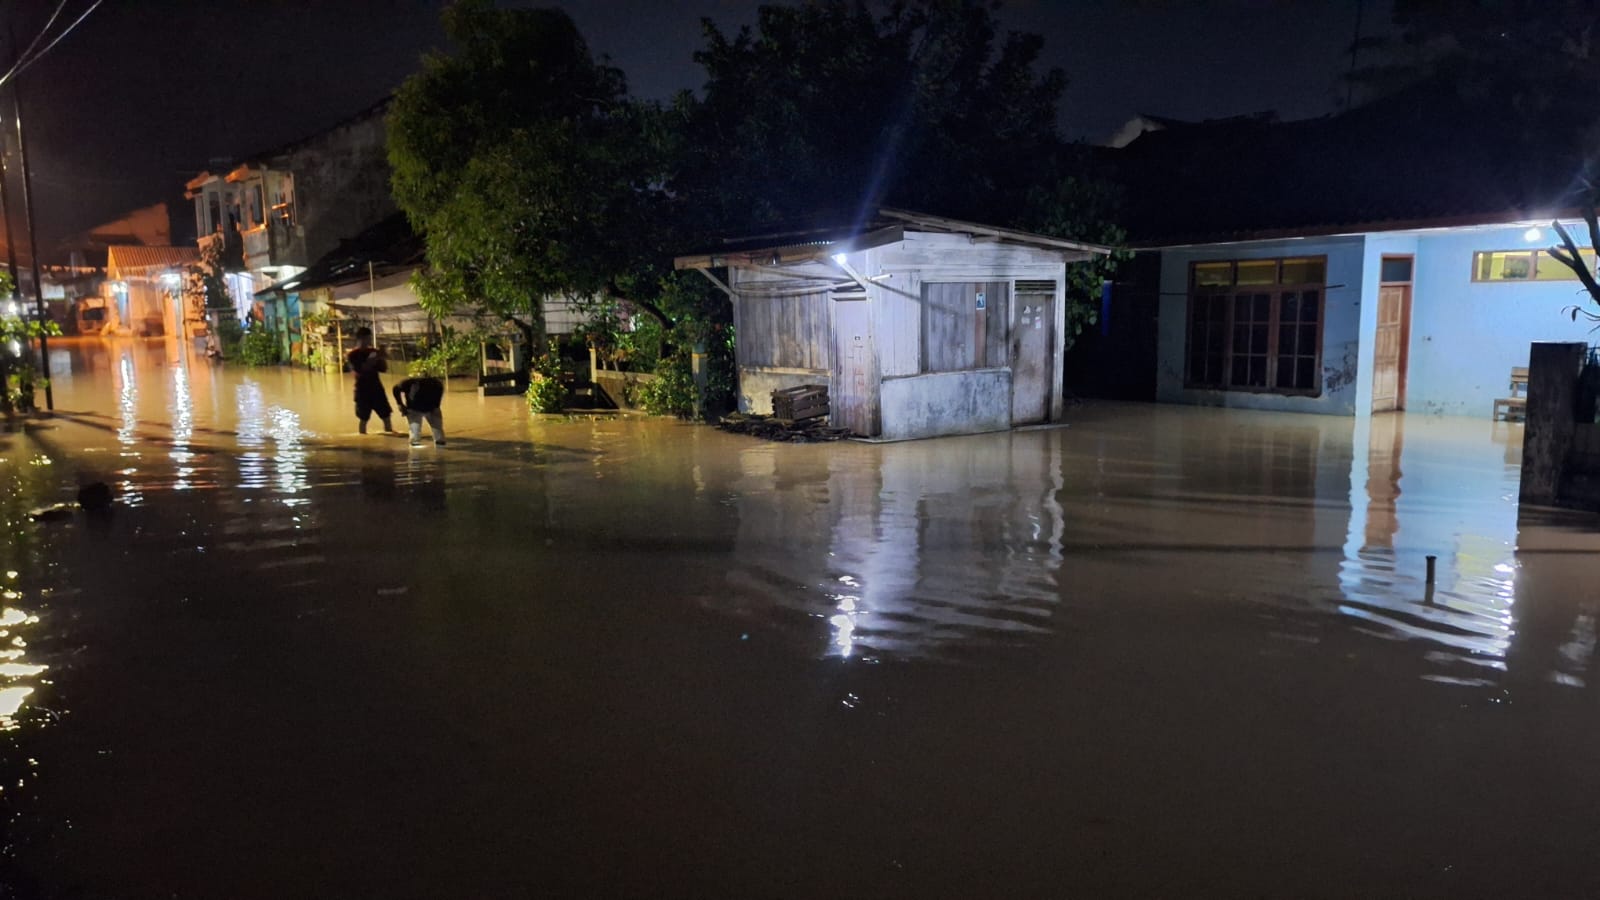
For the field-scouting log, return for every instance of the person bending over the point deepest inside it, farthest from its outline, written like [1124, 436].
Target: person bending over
[419, 399]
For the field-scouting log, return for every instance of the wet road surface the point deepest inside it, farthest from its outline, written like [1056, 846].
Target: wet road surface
[1162, 652]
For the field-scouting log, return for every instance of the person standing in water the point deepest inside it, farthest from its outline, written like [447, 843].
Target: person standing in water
[367, 362]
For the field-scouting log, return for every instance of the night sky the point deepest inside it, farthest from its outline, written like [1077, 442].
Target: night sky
[145, 92]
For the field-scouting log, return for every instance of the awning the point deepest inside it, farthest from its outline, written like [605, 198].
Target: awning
[388, 292]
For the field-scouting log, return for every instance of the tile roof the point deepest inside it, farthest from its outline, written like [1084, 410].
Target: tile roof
[122, 260]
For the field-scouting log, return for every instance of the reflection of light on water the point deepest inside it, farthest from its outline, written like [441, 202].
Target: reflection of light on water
[127, 400]
[844, 624]
[11, 700]
[291, 456]
[1404, 509]
[14, 692]
[182, 410]
[257, 423]
[128, 429]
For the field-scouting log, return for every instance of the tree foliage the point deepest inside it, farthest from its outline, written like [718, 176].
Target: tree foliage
[1525, 57]
[833, 107]
[516, 156]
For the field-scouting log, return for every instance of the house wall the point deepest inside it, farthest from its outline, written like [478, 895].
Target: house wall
[789, 341]
[783, 342]
[942, 403]
[1340, 335]
[341, 184]
[1466, 336]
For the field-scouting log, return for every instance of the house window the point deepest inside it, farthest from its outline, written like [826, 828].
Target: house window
[1524, 265]
[1256, 325]
[257, 216]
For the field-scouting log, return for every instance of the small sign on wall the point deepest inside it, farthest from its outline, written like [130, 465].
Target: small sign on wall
[983, 301]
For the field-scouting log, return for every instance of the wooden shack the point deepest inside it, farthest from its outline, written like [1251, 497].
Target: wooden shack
[920, 326]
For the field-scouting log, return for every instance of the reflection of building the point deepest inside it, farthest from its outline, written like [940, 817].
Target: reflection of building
[1433, 487]
[911, 550]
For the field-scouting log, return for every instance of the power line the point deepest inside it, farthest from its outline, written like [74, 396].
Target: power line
[23, 64]
[33, 43]
[28, 57]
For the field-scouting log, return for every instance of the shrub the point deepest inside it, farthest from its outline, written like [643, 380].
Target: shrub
[453, 354]
[259, 347]
[229, 333]
[672, 391]
[547, 393]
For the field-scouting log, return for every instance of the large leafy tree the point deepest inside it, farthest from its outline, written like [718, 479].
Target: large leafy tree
[523, 163]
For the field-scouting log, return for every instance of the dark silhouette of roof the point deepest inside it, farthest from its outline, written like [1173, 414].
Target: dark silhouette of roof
[389, 246]
[1426, 156]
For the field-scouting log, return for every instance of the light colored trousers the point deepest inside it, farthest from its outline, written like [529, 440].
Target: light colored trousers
[435, 424]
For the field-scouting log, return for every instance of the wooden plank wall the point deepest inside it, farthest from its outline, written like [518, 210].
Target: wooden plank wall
[785, 332]
[956, 334]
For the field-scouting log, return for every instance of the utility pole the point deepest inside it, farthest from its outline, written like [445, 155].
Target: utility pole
[33, 245]
[11, 231]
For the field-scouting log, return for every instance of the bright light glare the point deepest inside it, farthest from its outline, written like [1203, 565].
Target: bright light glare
[840, 258]
[1532, 234]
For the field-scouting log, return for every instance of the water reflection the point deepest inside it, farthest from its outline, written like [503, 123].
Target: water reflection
[1444, 488]
[18, 677]
[181, 410]
[128, 427]
[876, 544]
[272, 445]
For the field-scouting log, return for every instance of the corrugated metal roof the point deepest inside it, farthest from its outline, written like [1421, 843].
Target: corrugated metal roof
[138, 260]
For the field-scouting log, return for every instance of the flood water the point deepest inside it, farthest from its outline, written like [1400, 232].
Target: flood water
[1160, 652]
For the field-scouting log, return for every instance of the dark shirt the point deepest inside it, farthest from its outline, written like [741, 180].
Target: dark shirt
[421, 394]
[365, 362]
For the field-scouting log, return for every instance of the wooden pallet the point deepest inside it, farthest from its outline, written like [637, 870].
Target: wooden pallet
[807, 401]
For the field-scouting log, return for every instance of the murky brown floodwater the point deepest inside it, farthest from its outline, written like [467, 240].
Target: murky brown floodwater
[1161, 652]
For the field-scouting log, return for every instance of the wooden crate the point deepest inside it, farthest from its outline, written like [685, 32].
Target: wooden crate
[806, 401]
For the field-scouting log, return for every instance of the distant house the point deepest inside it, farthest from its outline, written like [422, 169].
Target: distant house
[1392, 257]
[276, 212]
[141, 290]
[920, 326]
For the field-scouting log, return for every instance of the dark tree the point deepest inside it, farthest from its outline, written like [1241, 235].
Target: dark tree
[518, 156]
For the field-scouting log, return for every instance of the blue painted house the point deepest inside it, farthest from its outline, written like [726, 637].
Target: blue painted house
[1392, 257]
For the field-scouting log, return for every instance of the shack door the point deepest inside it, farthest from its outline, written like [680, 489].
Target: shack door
[851, 396]
[1032, 322]
[1393, 334]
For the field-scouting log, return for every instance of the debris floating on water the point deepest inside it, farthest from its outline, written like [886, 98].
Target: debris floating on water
[805, 431]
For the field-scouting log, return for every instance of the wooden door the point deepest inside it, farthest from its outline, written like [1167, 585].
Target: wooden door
[1032, 323]
[1389, 348]
[851, 398]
